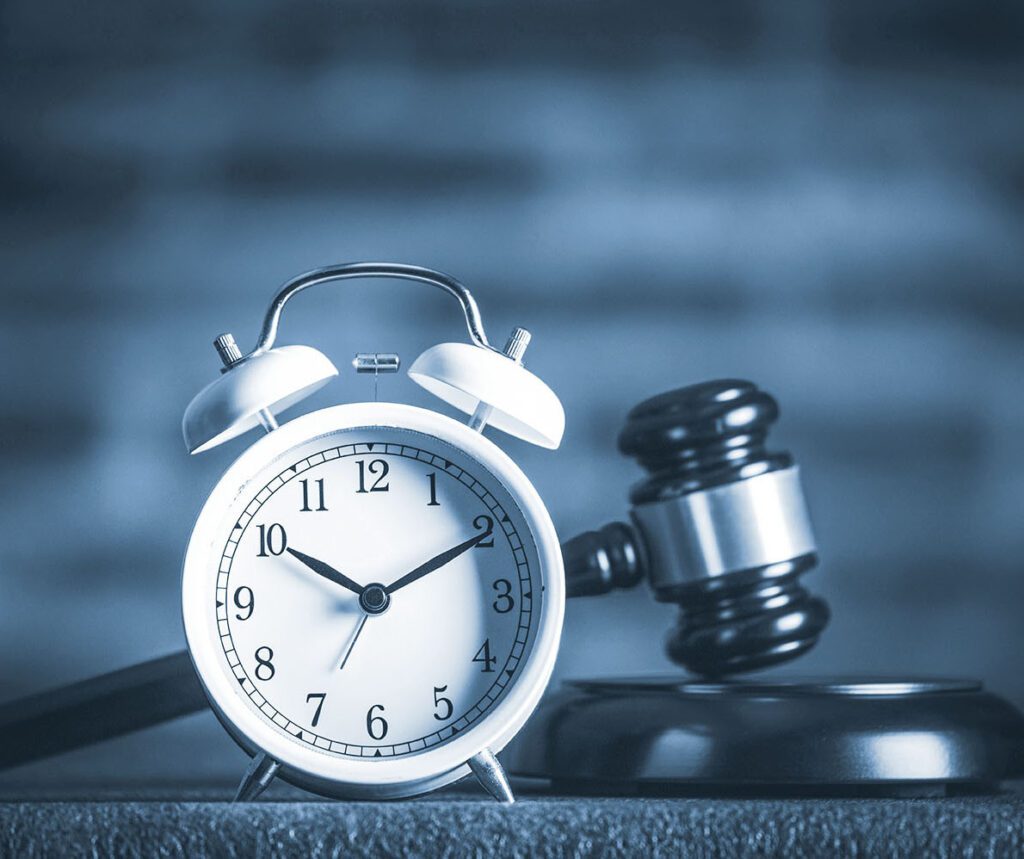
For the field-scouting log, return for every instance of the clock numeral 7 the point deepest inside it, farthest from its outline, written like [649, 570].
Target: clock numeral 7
[321, 507]
[444, 703]
[485, 523]
[273, 540]
[319, 707]
[483, 656]
[377, 468]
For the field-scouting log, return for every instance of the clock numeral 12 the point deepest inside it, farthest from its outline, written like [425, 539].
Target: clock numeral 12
[321, 507]
[273, 540]
[377, 468]
[483, 655]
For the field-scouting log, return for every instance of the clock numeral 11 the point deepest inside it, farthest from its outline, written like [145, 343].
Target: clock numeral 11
[321, 507]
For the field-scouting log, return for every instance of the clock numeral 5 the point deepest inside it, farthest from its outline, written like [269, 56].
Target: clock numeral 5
[319, 707]
[485, 523]
[483, 656]
[321, 507]
[377, 468]
[444, 703]
[273, 540]
[245, 603]
[264, 663]
[503, 602]
[376, 726]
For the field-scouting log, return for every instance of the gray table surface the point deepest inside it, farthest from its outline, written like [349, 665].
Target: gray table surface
[197, 823]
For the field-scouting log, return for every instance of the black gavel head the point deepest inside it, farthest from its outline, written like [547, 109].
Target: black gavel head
[720, 528]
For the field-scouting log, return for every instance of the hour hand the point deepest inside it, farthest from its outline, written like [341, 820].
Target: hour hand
[327, 571]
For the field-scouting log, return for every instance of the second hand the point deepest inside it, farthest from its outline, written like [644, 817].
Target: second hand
[352, 643]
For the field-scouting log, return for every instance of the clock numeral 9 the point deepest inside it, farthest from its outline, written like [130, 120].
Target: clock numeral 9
[444, 703]
[483, 656]
[244, 600]
[321, 507]
[377, 468]
[320, 705]
[273, 540]
[486, 524]
[376, 726]
[264, 663]
[503, 602]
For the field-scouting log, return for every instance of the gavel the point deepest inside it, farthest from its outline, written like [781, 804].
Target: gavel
[719, 526]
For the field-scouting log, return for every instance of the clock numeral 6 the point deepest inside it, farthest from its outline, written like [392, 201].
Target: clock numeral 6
[444, 703]
[376, 726]
[320, 507]
[244, 600]
[483, 656]
[273, 540]
[503, 602]
[485, 523]
[319, 707]
[377, 468]
[264, 663]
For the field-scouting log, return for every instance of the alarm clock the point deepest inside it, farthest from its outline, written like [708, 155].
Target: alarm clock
[373, 593]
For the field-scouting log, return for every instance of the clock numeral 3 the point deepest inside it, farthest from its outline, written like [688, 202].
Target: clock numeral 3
[444, 703]
[321, 507]
[485, 523]
[273, 540]
[319, 707]
[264, 663]
[483, 656]
[377, 468]
[376, 726]
[245, 603]
[503, 602]
[433, 502]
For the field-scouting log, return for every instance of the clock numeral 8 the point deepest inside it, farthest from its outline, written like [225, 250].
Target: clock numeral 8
[485, 523]
[264, 663]
[376, 726]
[273, 540]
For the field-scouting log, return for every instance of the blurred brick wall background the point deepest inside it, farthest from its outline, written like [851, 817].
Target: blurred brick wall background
[824, 197]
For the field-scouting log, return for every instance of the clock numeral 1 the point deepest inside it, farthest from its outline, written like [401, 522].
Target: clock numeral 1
[273, 540]
[444, 703]
[321, 507]
[503, 602]
[319, 707]
[377, 468]
[245, 603]
[483, 655]
[485, 523]
[376, 726]
[264, 663]
[433, 502]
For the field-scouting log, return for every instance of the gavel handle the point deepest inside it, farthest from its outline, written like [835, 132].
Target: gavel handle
[160, 690]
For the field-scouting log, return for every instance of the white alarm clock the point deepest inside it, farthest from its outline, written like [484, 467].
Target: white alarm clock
[373, 593]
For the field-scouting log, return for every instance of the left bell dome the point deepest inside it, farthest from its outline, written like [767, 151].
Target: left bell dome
[272, 381]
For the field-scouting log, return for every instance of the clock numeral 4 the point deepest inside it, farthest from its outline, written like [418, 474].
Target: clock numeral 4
[320, 507]
[483, 656]
[447, 708]
[433, 502]
[376, 726]
[265, 663]
[319, 706]
[485, 523]
[246, 601]
[503, 602]
[273, 540]
[378, 469]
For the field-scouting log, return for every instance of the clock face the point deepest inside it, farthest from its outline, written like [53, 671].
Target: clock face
[373, 593]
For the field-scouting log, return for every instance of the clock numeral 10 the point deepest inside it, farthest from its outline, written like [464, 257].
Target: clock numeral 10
[483, 656]
[433, 502]
[273, 540]
[319, 707]
[444, 703]
[376, 726]
[377, 468]
[321, 507]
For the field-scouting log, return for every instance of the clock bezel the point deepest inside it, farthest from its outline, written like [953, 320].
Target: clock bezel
[336, 775]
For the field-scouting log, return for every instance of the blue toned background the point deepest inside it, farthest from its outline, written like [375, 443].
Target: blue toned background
[827, 198]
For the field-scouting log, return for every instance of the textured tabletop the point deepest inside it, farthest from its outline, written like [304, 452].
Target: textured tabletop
[468, 825]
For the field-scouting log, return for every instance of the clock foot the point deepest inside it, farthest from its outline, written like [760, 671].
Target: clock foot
[491, 776]
[257, 778]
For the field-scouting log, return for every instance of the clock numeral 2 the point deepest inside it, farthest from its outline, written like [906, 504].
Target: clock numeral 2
[483, 655]
[485, 523]
[503, 602]
[245, 603]
[377, 468]
[264, 663]
[433, 502]
[376, 726]
[273, 540]
[444, 703]
[321, 507]
[319, 707]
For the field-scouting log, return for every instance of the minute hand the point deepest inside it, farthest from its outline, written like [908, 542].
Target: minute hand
[436, 562]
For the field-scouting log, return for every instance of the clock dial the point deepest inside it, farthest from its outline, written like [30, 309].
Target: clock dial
[376, 594]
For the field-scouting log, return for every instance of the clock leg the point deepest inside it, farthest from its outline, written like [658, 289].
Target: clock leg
[257, 778]
[491, 776]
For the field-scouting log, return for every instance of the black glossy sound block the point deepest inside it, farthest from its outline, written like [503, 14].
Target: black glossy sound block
[819, 737]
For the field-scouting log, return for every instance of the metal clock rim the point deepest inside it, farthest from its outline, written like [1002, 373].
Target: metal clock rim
[373, 778]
